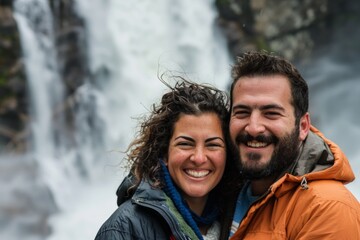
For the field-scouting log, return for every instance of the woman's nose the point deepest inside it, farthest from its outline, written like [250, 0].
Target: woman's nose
[198, 156]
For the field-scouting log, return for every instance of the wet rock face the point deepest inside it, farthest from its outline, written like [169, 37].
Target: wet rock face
[294, 29]
[69, 37]
[286, 27]
[13, 109]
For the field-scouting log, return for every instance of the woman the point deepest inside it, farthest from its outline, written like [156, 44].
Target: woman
[178, 161]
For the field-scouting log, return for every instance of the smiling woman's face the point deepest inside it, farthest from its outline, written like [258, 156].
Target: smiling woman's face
[197, 155]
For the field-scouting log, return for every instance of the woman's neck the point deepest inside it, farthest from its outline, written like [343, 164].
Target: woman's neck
[203, 229]
[196, 204]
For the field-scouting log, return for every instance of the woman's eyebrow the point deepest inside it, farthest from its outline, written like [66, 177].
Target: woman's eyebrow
[185, 137]
[214, 138]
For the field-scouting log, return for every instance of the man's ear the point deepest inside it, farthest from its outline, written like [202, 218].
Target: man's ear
[304, 126]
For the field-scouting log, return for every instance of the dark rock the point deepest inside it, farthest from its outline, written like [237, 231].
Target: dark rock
[71, 54]
[287, 27]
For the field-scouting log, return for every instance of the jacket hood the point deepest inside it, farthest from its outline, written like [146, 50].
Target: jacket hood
[329, 160]
[123, 192]
[319, 159]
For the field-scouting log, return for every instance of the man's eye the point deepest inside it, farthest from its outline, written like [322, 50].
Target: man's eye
[241, 113]
[272, 113]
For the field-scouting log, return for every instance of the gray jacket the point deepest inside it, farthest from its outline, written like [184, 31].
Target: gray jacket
[148, 214]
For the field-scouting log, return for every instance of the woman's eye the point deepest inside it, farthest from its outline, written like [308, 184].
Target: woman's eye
[214, 145]
[184, 144]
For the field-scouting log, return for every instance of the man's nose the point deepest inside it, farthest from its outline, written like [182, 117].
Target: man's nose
[255, 125]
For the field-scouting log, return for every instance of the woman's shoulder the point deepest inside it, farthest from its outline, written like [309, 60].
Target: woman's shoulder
[119, 221]
[132, 221]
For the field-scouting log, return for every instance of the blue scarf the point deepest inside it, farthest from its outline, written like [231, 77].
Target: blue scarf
[210, 213]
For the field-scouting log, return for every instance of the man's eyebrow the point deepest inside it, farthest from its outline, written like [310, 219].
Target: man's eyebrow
[240, 106]
[264, 107]
[272, 106]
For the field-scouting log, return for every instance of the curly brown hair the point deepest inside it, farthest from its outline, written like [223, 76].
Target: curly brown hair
[152, 141]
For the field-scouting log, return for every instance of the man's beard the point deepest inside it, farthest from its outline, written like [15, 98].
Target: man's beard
[284, 155]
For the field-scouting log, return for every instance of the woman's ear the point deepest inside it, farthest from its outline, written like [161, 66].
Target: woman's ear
[165, 160]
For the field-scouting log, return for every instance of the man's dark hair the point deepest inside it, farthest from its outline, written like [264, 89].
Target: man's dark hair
[264, 64]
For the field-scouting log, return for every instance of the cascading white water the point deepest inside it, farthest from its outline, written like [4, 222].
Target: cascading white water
[129, 46]
[129, 43]
[45, 88]
[334, 101]
[61, 160]
[35, 26]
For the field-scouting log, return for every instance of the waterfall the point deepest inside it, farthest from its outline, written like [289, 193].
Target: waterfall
[334, 86]
[129, 45]
[62, 160]
[44, 85]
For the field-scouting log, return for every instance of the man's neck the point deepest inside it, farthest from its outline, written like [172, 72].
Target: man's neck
[260, 186]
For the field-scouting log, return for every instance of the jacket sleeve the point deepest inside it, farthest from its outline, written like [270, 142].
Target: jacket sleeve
[113, 234]
[329, 220]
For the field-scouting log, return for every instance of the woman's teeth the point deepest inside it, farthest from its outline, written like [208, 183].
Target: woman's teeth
[197, 174]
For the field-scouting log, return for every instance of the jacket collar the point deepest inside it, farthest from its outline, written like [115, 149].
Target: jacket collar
[319, 159]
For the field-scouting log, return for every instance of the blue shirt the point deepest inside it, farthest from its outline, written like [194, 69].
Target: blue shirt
[243, 203]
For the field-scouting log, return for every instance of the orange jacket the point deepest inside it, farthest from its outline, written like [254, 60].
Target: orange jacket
[310, 203]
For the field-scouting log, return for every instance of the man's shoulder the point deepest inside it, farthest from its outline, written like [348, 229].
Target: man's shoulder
[330, 191]
[325, 209]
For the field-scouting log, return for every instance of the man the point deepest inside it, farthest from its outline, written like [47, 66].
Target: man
[295, 176]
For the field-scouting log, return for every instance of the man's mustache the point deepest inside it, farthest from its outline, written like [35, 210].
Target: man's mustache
[245, 137]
